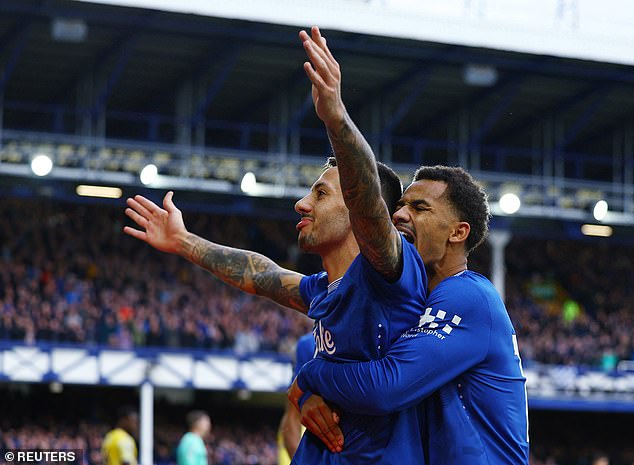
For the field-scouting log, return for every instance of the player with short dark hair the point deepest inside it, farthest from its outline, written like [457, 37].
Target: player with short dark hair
[458, 368]
[381, 291]
[461, 363]
[379, 299]
[467, 198]
[119, 447]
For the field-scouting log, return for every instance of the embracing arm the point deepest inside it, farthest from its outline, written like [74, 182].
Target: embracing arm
[378, 240]
[251, 272]
[416, 364]
[412, 370]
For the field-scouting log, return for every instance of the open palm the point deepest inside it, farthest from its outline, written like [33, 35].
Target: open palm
[163, 228]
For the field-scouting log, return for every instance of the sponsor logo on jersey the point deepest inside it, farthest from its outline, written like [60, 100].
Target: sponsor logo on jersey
[433, 324]
[324, 342]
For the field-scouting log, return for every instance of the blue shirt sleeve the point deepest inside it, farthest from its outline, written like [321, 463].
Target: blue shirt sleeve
[452, 336]
[411, 282]
[304, 352]
[309, 286]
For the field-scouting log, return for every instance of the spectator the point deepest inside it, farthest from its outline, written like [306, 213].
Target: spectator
[66, 280]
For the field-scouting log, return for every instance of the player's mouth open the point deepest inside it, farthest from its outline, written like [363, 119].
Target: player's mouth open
[303, 222]
[407, 234]
[409, 237]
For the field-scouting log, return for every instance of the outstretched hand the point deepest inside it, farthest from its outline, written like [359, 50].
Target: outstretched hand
[325, 76]
[318, 418]
[163, 228]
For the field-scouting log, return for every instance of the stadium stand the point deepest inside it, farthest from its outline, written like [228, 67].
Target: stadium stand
[67, 280]
[207, 99]
[38, 418]
[230, 441]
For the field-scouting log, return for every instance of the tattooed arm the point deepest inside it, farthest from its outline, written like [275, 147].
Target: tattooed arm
[378, 239]
[246, 270]
[251, 272]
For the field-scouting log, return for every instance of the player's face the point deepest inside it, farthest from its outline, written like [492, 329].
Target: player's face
[426, 219]
[324, 223]
[132, 424]
[205, 425]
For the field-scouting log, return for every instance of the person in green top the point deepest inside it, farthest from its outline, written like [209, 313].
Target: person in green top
[191, 449]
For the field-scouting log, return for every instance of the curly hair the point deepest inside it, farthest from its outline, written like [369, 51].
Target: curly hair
[466, 197]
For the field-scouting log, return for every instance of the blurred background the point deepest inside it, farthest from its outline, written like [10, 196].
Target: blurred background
[102, 100]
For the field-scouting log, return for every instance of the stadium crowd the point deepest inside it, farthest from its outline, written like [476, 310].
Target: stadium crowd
[36, 418]
[571, 301]
[233, 445]
[69, 275]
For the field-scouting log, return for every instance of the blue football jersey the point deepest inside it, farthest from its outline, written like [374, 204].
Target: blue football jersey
[357, 318]
[460, 365]
[304, 351]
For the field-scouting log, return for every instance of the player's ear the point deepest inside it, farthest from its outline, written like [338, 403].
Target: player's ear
[460, 232]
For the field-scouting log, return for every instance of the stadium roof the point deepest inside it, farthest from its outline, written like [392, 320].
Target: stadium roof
[132, 74]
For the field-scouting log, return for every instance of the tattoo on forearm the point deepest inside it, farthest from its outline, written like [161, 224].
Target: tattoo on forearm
[247, 270]
[357, 169]
[362, 192]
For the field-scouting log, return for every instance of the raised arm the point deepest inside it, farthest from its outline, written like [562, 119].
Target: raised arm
[378, 240]
[164, 229]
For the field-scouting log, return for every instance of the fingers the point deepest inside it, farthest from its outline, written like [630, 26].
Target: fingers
[319, 60]
[150, 206]
[168, 204]
[318, 417]
[320, 55]
[135, 233]
[321, 42]
[312, 426]
[318, 38]
[138, 219]
[317, 429]
[137, 207]
[330, 429]
[314, 77]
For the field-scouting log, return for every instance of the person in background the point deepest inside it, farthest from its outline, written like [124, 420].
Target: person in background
[191, 449]
[119, 447]
[291, 430]
[600, 459]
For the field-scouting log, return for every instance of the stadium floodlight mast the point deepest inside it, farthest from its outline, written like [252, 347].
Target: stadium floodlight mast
[41, 165]
[600, 210]
[510, 203]
[149, 174]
